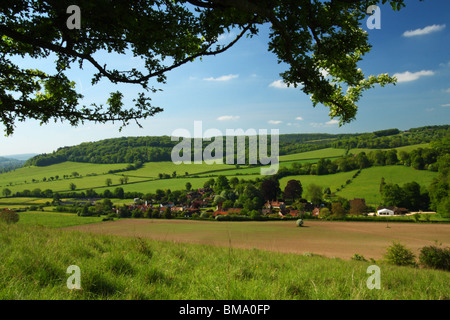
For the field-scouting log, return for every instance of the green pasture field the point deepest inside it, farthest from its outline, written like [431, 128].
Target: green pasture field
[404, 148]
[163, 184]
[333, 181]
[255, 170]
[35, 260]
[54, 219]
[153, 169]
[367, 184]
[146, 179]
[81, 183]
[65, 168]
[316, 154]
[24, 201]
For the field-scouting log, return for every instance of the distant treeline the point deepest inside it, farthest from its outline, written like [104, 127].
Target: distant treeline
[393, 138]
[8, 164]
[154, 149]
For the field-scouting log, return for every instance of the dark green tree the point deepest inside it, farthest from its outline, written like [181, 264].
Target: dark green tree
[314, 193]
[393, 195]
[337, 210]
[391, 157]
[119, 193]
[270, 189]
[221, 184]
[6, 192]
[293, 190]
[362, 160]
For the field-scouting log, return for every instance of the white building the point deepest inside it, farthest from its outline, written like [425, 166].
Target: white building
[385, 212]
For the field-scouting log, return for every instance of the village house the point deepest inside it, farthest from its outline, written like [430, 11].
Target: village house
[275, 205]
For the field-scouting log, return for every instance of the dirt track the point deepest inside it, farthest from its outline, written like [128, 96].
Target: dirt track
[331, 239]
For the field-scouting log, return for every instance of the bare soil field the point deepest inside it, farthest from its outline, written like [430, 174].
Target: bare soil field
[327, 238]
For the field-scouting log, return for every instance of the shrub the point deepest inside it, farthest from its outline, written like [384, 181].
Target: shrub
[255, 215]
[324, 213]
[205, 215]
[399, 255]
[435, 257]
[136, 213]
[233, 218]
[167, 214]
[9, 216]
[124, 212]
[156, 214]
[299, 223]
[358, 257]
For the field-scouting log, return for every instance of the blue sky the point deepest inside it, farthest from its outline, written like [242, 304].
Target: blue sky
[241, 88]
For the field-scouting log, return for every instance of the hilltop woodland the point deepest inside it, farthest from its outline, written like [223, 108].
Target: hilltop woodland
[154, 149]
[251, 195]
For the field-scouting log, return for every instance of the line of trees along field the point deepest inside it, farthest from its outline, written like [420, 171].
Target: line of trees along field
[393, 138]
[153, 149]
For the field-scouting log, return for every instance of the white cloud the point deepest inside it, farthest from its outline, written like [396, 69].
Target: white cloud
[445, 105]
[223, 78]
[226, 118]
[275, 121]
[278, 84]
[227, 36]
[411, 76]
[323, 124]
[448, 90]
[331, 122]
[423, 31]
[299, 118]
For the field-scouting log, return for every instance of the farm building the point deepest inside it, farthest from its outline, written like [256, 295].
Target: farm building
[391, 211]
[385, 212]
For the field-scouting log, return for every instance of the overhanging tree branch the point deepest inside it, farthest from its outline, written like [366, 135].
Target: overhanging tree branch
[307, 35]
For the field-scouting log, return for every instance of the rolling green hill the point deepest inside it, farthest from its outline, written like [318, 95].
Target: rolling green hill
[367, 184]
[145, 179]
[100, 165]
[157, 149]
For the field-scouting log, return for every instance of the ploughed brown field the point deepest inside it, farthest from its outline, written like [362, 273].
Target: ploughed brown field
[328, 238]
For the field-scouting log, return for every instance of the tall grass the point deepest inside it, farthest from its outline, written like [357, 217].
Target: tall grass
[54, 219]
[34, 261]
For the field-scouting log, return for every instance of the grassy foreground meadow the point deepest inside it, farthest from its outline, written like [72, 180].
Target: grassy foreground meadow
[35, 261]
